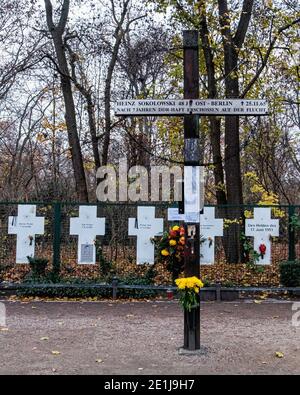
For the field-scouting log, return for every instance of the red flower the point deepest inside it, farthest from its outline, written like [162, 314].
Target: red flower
[173, 233]
[262, 250]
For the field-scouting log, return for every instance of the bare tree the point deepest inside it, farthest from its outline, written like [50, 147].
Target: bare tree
[123, 21]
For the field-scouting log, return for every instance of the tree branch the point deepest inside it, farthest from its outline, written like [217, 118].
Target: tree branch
[267, 56]
[225, 21]
[48, 56]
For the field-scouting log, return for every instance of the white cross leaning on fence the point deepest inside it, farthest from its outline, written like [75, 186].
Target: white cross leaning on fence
[87, 226]
[262, 227]
[145, 227]
[25, 225]
[210, 227]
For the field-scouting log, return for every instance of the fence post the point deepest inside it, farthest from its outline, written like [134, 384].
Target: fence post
[292, 246]
[115, 287]
[56, 239]
[218, 292]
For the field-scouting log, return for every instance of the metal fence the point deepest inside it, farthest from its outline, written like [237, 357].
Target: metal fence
[60, 248]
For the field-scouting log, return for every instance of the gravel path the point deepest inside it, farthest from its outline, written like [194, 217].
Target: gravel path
[143, 338]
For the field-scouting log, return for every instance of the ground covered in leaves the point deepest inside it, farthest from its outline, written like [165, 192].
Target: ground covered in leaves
[227, 274]
[143, 338]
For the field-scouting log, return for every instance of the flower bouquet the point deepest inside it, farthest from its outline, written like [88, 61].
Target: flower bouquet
[170, 248]
[189, 288]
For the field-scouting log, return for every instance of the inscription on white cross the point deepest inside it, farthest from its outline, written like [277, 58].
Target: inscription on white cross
[210, 227]
[262, 227]
[145, 227]
[87, 226]
[25, 225]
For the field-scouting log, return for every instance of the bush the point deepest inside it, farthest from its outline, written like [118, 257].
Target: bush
[65, 292]
[290, 273]
[146, 279]
[38, 266]
[106, 266]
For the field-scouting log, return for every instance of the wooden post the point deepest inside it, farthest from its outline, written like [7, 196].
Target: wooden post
[191, 158]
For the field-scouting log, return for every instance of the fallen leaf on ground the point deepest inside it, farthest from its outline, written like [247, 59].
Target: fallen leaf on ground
[263, 297]
[258, 302]
[44, 338]
[55, 352]
[99, 360]
[4, 329]
[279, 354]
[140, 368]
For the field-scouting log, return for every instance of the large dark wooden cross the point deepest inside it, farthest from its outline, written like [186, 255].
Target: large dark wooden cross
[191, 108]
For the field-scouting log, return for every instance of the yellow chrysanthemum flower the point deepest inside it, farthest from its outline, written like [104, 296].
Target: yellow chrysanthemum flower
[172, 243]
[189, 283]
[176, 228]
[165, 253]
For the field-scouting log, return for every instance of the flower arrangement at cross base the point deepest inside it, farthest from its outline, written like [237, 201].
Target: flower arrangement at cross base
[170, 248]
[189, 288]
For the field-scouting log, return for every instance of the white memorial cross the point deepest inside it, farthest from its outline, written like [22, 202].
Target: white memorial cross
[262, 227]
[145, 227]
[26, 225]
[210, 227]
[87, 226]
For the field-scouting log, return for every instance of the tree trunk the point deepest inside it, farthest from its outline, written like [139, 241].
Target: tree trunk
[71, 122]
[118, 34]
[93, 129]
[215, 124]
[87, 94]
[70, 115]
[231, 45]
